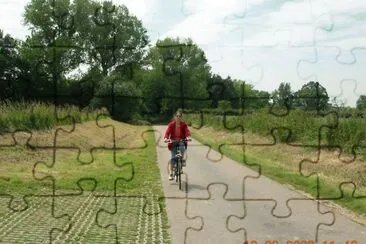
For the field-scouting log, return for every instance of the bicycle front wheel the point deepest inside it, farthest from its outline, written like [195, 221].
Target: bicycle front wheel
[179, 167]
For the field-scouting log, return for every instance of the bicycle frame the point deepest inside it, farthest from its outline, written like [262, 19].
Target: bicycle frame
[178, 163]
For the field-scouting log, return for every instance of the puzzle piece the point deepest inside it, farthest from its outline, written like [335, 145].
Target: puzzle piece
[154, 35]
[17, 225]
[319, 66]
[255, 186]
[251, 144]
[210, 153]
[343, 23]
[347, 87]
[194, 185]
[189, 7]
[284, 128]
[213, 53]
[173, 55]
[144, 208]
[86, 204]
[340, 231]
[331, 162]
[83, 90]
[102, 186]
[58, 171]
[19, 138]
[106, 21]
[312, 16]
[253, 70]
[301, 224]
[284, 34]
[15, 159]
[129, 219]
[8, 72]
[214, 225]
[64, 139]
[81, 211]
[216, 88]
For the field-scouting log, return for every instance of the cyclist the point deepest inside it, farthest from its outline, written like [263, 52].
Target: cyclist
[177, 129]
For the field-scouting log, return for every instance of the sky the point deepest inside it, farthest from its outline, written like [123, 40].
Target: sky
[264, 42]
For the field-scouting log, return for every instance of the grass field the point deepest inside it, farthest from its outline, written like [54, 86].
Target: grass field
[85, 182]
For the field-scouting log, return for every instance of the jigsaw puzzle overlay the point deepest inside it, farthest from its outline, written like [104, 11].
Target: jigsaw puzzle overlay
[83, 157]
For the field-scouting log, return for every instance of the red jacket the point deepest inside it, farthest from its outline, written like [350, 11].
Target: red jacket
[170, 133]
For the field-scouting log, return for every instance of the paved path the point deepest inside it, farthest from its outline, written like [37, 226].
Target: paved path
[213, 192]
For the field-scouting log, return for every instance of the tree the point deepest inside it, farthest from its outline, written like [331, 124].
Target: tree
[50, 48]
[110, 35]
[119, 95]
[177, 76]
[312, 96]
[66, 34]
[221, 89]
[361, 102]
[250, 97]
[13, 70]
[283, 95]
[224, 105]
[263, 99]
[337, 102]
[53, 36]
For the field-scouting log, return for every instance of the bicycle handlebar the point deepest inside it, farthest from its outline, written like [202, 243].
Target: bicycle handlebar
[179, 140]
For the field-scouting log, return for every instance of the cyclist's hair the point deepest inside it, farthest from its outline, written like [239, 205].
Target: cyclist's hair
[179, 111]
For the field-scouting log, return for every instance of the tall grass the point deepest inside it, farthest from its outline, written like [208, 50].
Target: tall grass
[297, 126]
[38, 115]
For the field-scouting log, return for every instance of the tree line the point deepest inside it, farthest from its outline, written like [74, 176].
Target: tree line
[124, 71]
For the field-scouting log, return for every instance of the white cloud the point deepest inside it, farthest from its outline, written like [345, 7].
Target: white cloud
[204, 23]
[290, 13]
[340, 6]
[220, 7]
[264, 29]
[11, 18]
[201, 28]
[143, 9]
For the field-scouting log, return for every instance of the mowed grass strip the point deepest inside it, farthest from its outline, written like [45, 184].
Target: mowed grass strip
[134, 163]
[280, 162]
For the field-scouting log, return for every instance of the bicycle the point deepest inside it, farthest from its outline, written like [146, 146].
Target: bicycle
[177, 166]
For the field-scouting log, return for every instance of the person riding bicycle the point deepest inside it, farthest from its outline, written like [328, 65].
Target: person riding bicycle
[177, 129]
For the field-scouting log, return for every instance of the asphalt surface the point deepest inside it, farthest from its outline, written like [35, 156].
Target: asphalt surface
[210, 207]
